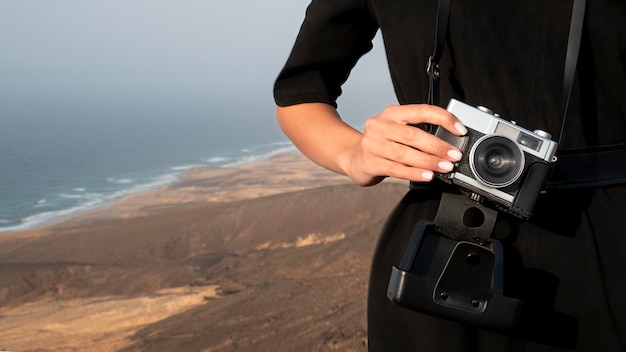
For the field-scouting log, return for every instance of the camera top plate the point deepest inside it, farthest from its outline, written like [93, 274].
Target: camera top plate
[537, 143]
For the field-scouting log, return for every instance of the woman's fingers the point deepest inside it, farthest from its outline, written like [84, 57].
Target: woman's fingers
[391, 146]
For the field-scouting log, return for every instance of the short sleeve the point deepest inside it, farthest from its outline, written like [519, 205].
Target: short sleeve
[332, 38]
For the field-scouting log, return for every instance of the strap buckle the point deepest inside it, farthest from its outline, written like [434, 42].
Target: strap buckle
[432, 68]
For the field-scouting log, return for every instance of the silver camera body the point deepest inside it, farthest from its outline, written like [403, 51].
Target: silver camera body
[502, 162]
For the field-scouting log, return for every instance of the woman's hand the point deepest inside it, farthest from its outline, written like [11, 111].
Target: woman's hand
[389, 146]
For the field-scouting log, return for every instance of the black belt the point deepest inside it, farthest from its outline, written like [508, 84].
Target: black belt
[589, 167]
[582, 167]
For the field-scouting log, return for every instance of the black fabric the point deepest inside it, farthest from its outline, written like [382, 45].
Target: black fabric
[507, 55]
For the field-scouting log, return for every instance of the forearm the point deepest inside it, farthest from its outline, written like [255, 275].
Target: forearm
[389, 146]
[319, 133]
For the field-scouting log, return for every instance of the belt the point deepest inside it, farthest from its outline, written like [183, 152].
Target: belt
[582, 167]
[589, 167]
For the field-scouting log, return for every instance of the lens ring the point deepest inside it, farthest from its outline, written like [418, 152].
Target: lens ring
[496, 160]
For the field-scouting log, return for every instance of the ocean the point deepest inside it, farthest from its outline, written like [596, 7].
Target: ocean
[103, 99]
[52, 167]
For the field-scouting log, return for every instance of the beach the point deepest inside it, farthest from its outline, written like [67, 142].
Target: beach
[263, 256]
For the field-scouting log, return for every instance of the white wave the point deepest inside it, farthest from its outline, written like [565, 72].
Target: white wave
[49, 216]
[217, 160]
[79, 189]
[282, 143]
[81, 196]
[251, 158]
[184, 167]
[248, 155]
[156, 182]
[4, 221]
[40, 203]
[71, 196]
[120, 181]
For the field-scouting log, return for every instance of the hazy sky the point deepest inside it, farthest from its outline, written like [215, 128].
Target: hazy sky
[191, 57]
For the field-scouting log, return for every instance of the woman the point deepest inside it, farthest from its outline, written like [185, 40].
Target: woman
[508, 56]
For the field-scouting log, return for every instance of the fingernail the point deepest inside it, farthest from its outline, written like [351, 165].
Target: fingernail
[460, 128]
[427, 175]
[446, 165]
[455, 155]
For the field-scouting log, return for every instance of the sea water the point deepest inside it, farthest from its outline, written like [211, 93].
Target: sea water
[53, 167]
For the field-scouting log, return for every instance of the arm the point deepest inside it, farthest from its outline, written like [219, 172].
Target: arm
[389, 146]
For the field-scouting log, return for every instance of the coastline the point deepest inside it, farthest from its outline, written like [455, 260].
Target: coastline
[270, 255]
[33, 205]
[278, 173]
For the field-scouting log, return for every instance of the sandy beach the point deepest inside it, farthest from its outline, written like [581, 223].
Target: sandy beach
[267, 256]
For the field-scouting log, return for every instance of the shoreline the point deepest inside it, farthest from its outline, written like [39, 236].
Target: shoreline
[83, 197]
[278, 173]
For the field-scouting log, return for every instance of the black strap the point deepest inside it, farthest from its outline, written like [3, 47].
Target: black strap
[571, 59]
[443, 14]
[589, 167]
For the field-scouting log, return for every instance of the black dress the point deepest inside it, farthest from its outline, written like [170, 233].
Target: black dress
[509, 56]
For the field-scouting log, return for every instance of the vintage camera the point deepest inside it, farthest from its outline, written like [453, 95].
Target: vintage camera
[502, 162]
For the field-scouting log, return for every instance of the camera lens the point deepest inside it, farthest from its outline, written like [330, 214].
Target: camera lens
[496, 160]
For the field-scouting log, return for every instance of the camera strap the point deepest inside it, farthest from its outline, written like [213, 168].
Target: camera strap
[571, 57]
[443, 14]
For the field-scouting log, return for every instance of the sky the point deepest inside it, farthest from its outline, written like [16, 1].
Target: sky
[188, 58]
